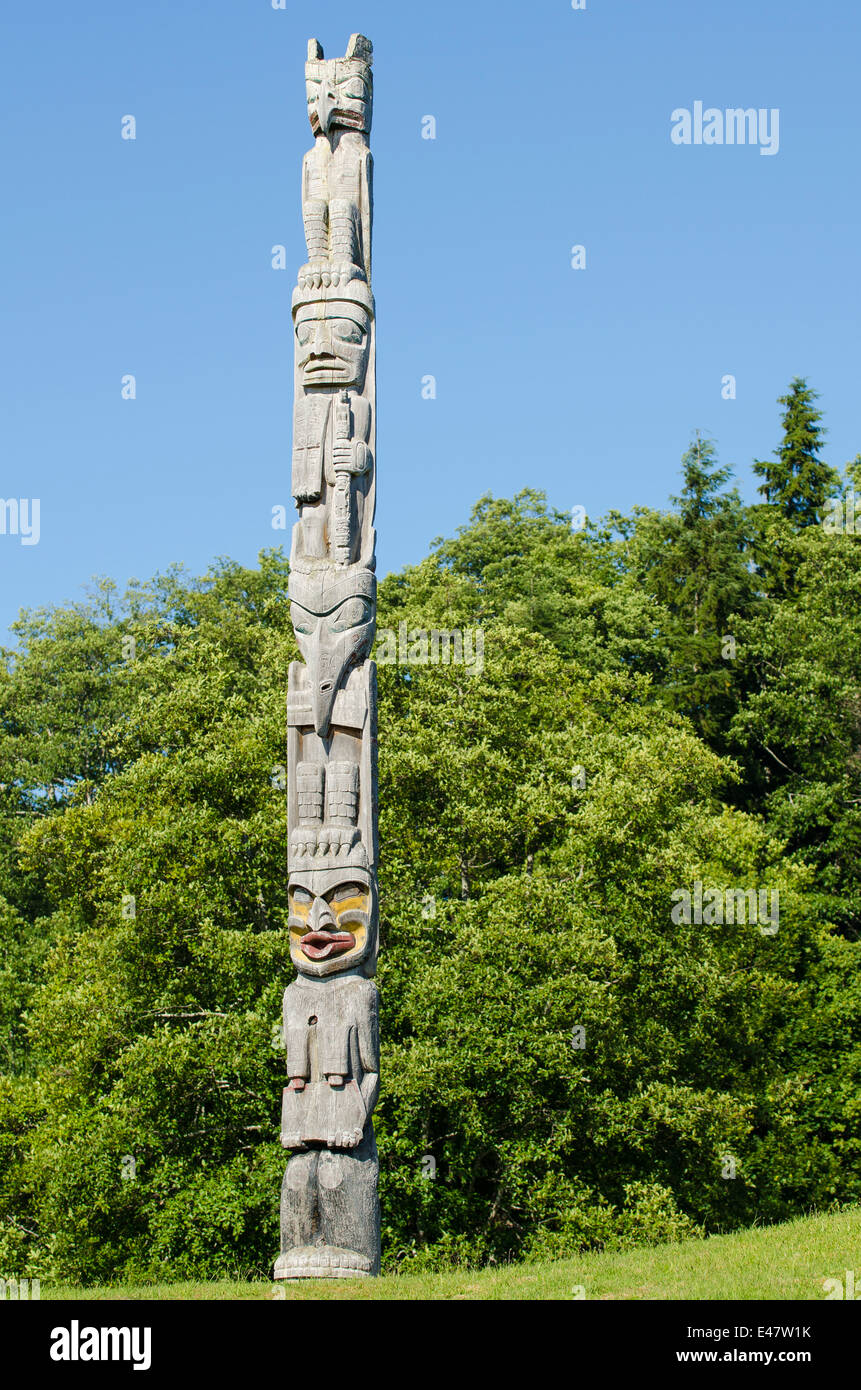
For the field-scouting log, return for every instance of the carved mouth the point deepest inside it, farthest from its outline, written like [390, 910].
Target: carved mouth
[319, 945]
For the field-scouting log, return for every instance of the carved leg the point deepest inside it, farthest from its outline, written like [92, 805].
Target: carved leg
[330, 1214]
[343, 232]
[313, 531]
[300, 1219]
[315, 217]
[349, 1205]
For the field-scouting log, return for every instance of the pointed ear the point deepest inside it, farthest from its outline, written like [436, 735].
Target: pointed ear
[315, 50]
[360, 47]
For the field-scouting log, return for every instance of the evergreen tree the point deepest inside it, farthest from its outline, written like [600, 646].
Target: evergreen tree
[798, 481]
[694, 561]
[797, 733]
[852, 484]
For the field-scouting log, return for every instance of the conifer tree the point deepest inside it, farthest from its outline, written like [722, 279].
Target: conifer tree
[698, 571]
[798, 481]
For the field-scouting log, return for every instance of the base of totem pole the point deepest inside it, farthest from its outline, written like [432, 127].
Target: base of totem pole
[321, 1262]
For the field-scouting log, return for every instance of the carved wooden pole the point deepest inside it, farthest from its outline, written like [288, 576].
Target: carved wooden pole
[330, 1221]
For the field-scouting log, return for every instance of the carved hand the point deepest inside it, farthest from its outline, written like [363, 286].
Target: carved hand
[345, 1139]
[293, 1141]
[342, 454]
[350, 456]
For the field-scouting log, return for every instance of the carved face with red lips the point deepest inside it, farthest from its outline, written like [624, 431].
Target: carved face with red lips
[332, 921]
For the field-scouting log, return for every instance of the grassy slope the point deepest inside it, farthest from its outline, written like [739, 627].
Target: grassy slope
[784, 1262]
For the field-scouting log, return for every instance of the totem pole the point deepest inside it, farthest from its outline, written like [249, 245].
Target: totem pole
[330, 1220]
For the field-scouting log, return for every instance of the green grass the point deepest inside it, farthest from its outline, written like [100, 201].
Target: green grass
[791, 1261]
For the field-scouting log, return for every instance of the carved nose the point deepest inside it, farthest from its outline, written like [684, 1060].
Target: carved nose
[321, 347]
[321, 916]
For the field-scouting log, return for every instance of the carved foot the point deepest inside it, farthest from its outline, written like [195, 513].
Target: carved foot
[321, 1262]
[323, 275]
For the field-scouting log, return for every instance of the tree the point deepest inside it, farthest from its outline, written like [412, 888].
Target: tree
[797, 482]
[519, 563]
[694, 560]
[798, 727]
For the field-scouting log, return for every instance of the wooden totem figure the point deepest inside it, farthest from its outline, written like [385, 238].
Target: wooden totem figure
[330, 1222]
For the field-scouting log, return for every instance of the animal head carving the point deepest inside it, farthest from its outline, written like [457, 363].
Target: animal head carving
[334, 620]
[340, 90]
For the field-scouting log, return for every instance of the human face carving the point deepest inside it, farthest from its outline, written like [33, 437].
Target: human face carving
[330, 921]
[332, 338]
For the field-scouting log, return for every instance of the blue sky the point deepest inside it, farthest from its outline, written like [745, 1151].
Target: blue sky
[153, 257]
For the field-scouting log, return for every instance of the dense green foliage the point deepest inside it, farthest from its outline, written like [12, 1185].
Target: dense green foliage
[580, 1069]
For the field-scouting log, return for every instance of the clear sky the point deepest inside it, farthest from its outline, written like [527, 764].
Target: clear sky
[553, 129]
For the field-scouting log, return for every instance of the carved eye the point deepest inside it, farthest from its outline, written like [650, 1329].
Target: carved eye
[355, 90]
[347, 331]
[304, 332]
[301, 895]
[347, 890]
[302, 620]
[352, 613]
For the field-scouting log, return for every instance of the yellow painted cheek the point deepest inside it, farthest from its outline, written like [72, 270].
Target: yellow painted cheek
[299, 910]
[361, 903]
[359, 933]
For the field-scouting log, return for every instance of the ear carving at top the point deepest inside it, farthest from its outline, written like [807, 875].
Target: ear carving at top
[315, 50]
[360, 47]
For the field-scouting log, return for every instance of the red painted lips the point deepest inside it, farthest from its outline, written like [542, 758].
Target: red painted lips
[319, 945]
